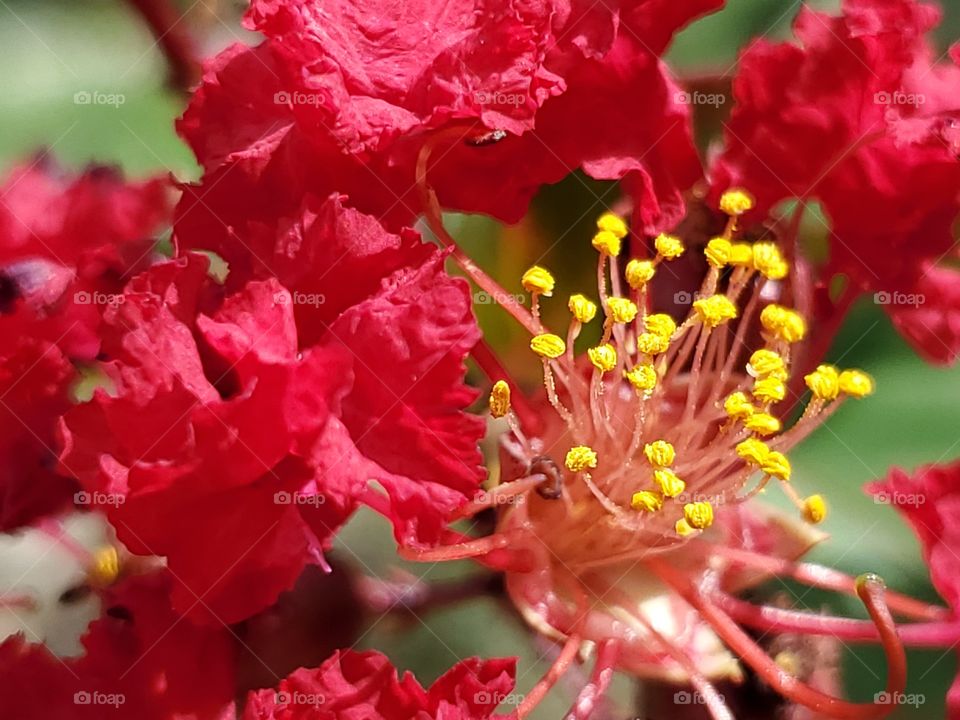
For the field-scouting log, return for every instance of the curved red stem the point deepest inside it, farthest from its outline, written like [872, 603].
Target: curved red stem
[561, 664]
[782, 620]
[603, 669]
[871, 592]
[432, 214]
[166, 24]
[824, 577]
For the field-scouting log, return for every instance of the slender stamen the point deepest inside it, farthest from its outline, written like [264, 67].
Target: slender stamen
[871, 592]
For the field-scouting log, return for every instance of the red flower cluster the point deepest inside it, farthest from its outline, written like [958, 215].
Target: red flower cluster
[272, 408]
[302, 354]
[861, 116]
[140, 662]
[365, 685]
[67, 245]
[342, 96]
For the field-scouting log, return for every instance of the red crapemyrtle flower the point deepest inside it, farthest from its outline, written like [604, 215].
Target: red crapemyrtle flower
[351, 97]
[861, 116]
[140, 661]
[35, 381]
[65, 243]
[627, 513]
[365, 685]
[929, 500]
[68, 241]
[271, 410]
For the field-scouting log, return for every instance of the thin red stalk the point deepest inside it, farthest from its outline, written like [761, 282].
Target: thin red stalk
[562, 663]
[870, 591]
[54, 530]
[556, 671]
[167, 25]
[830, 579]
[501, 494]
[782, 620]
[433, 215]
[713, 700]
[18, 602]
[603, 669]
[458, 551]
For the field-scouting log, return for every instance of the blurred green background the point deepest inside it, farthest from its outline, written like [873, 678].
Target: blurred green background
[52, 50]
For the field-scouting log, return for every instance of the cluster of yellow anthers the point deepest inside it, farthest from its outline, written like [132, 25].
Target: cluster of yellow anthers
[719, 416]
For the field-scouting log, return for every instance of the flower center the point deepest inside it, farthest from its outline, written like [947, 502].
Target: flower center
[662, 423]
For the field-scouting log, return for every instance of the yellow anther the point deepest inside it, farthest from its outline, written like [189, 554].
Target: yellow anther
[612, 224]
[783, 323]
[642, 377]
[718, 252]
[607, 243]
[548, 345]
[538, 281]
[652, 344]
[738, 406]
[646, 500]
[580, 458]
[582, 308]
[769, 261]
[698, 515]
[856, 383]
[814, 509]
[715, 310]
[753, 451]
[777, 465]
[500, 399]
[736, 201]
[670, 247]
[622, 310]
[660, 453]
[603, 357]
[788, 662]
[668, 482]
[683, 528]
[639, 273]
[824, 382]
[660, 324]
[741, 255]
[769, 389]
[762, 424]
[767, 363]
[105, 567]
